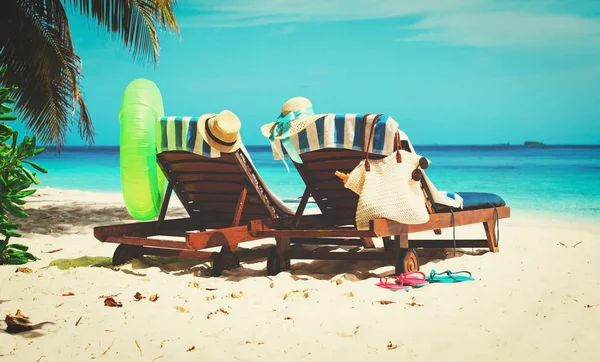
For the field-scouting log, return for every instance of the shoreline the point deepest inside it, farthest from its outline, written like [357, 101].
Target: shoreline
[319, 310]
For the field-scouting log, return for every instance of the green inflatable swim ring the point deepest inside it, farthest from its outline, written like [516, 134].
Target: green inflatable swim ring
[142, 180]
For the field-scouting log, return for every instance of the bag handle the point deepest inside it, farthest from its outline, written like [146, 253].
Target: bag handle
[371, 139]
[364, 133]
[398, 147]
[371, 136]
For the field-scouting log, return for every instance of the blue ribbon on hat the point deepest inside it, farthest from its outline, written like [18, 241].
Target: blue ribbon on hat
[282, 129]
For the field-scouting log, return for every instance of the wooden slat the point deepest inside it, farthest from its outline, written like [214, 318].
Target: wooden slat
[137, 240]
[221, 187]
[460, 243]
[177, 156]
[165, 204]
[329, 184]
[219, 215]
[230, 237]
[225, 198]
[384, 227]
[368, 243]
[348, 204]
[340, 213]
[206, 255]
[348, 163]
[325, 255]
[253, 179]
[306, 222]
[328, 153]
[324, 175]
[212, 162]
[175, 232]
[208, 176]
[218, 223]
[199, 168]
[337, 193]
[466, 217]
[224, 220]
[240, 206]
[189, 178]
[301, 207]
[328, 241]
[143, 228]
[211, 196]
[311, 233]
[377, 228]
[164, 166]
[227, 207]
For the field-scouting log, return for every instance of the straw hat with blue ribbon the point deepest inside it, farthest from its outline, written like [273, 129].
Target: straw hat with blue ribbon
[296, 114]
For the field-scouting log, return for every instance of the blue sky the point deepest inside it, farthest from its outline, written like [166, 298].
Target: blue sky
[449, 71]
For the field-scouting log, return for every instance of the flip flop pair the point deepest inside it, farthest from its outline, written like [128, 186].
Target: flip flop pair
[449, 276]
[403, 281]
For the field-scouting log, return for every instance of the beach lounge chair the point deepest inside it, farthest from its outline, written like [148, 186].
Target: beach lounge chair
[221, 192]
[329, 143]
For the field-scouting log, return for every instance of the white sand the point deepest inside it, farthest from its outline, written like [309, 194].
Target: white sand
[536, 300]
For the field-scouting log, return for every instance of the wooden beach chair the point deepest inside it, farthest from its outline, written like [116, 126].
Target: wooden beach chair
[220, 194]
[336, 223]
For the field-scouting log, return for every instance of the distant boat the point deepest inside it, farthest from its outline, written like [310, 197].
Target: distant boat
[533, 143]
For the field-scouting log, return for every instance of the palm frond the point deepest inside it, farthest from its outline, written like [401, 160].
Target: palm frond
[167, 15]
[36, 44]
[134, 21]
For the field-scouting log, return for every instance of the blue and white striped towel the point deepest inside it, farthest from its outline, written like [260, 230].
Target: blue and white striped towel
[181, 134]
[342, 131]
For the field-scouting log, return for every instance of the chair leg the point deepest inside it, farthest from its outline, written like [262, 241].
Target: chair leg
[403, 257]
[490, 233]
[400, 245]
[283, 245]
[388, 243]
[368, 243]
[279, 259]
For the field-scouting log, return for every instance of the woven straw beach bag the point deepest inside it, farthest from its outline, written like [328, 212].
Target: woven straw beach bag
[386, 187]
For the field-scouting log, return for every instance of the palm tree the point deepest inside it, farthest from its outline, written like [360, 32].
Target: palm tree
[36, 44]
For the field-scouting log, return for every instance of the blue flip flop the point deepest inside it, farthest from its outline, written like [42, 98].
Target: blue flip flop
[449, 276]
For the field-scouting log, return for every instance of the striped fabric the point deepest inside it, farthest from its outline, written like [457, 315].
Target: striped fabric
[346, 131]
[181, 134]
[343, 131]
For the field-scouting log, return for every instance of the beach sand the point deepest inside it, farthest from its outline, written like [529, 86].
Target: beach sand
[536, 300]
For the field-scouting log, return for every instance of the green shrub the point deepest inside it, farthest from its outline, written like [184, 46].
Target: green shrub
[15, 180]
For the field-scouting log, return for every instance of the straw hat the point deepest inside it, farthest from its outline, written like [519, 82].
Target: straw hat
[296, 124]
[221, 131]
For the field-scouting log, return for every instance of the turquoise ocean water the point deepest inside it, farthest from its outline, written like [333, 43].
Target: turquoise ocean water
[548, 179]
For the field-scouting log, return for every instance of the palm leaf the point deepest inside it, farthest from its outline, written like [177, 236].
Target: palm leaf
[133, 21]
[37, 47]
[36, 44]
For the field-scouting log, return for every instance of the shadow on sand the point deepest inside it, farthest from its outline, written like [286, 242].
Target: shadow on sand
[77, 218]
[301, 269]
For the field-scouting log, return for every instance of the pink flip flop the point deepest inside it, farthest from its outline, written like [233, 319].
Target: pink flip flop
[413, 279]
[391, 283]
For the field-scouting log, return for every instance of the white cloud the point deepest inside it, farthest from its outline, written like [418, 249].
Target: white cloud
[457, 22]
[508, 28]
[243, 13]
